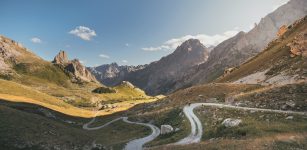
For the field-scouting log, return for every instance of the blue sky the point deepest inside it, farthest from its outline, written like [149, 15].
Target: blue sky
[128, 32]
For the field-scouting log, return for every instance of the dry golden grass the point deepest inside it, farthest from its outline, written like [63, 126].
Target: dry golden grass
[15, 92]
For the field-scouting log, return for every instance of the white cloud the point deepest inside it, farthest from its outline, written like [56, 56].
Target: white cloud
[151, 48]
[83, 32]
[127, 44]
[104, 56]
[36, 40]
[207, 40]
[124, 61]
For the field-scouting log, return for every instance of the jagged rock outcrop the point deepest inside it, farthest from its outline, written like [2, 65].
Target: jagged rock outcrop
[61, 58]
[159, 76]
[74, 67]
[283, 29]
[299, 45]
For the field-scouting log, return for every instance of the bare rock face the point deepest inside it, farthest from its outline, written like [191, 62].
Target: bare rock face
[282, 30]
[61, 58]
[11, 53]
[74, 67]
[7, 53]
[298, 47]
[112, 74]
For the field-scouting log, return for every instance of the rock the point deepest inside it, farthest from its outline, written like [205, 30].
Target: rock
[290, 103]
[127, 84]
[74, 67]
[230, 122]
[61, 58]
[289, 118]
[282, 30]
[299, 45]
[112, 74]
[177, 129]
[165, 129]
[228, 70]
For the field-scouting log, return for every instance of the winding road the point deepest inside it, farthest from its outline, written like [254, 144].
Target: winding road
[136, 144]
[196, 126]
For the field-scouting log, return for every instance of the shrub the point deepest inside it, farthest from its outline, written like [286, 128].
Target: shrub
[102, 90]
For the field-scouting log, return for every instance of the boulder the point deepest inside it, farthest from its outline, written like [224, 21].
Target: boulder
[165, 129]
[289, 118]
[299, 45]
[282, 30]
[230, 122]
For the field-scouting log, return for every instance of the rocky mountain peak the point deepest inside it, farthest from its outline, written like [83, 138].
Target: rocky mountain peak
[190, 45]
[61, 58]
[74, 67]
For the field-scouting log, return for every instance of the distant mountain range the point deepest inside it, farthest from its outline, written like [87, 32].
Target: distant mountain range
[191, 64]
[157, 77]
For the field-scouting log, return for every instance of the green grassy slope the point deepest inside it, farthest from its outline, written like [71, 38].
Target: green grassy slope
[28, 126]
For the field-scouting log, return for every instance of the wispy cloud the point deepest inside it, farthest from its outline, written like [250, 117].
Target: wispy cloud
[36, 40]
[207, 40]
[104, 56]
[83, 32]
[124, 61]
[127, 44]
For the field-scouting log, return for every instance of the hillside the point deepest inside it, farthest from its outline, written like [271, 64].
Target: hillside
[283, 61]
[236, 50]
[64, 80]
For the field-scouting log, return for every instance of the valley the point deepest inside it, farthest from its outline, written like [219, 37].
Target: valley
[246, 92]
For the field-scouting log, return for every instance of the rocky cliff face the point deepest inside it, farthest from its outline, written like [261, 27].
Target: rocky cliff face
[11, 53]
[112, 74]
[243, 46]
[157, 77]
[74, 67]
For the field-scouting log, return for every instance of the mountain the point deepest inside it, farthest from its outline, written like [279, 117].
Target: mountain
[283, 61]
[183, 68]
[238, 49]
[74, 67]
[112, 74]
[159, 76]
